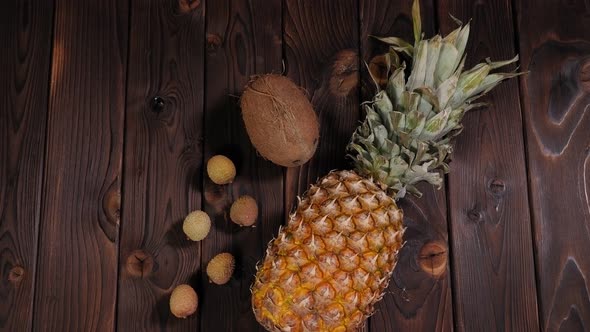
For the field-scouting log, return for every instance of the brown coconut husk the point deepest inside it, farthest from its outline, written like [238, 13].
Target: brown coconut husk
[280, 120]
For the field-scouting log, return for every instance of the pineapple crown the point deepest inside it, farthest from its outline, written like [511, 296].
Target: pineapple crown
[406, 136]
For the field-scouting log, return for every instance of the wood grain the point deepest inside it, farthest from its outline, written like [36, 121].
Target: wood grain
[493, 269]
[419, 294]
[243, 39]
[321, 55]
[77, 263]
[556, 103]
[80, 135]
[162, 163]
[25, 39]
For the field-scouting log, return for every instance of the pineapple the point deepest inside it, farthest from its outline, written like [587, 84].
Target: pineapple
[332, 262]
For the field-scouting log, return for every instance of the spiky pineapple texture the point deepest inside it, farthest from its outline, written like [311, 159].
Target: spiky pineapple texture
[406, 136]
[332, 262]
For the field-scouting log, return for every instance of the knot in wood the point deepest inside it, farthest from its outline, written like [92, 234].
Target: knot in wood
[158, 104]
[213, 42]
[139, 264]
[497, 187]
[187, 6]
[344, 76]
[112, 206]
[16, 274]
[378, 69]
[475, 215]
[584, 75]
[433, 258]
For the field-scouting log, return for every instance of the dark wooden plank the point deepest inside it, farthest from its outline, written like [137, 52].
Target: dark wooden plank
[162, 164]
[243, 39]
[76, 284]
[419, 295]
[321, 54]
[25, 39]
[556, 99]
[492, 251]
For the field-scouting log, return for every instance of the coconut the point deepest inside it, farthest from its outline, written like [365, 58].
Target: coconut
[280, 120]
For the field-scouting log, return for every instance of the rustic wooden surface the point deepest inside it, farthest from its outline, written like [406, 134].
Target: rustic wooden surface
[243, 39]
[162, 162]
[24, 64]
[111, 109]
[555, 100]
[76, 279]
[492, 252]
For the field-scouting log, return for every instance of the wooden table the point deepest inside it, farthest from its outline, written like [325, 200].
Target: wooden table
[110, 108]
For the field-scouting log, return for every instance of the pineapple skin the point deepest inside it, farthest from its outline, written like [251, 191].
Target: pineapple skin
[332, 262]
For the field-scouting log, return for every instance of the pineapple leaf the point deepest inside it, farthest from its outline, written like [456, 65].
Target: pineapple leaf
[462, 38]
[435, 125]
[393, 58]
[380, 136]
[418, 74]
[445, 91]
[425, 107]
[413, 120]
[384, 116]
[434, 47]
[418, 127]
[417, 21]
[469, 107]
[396, 84]
[429, 96]
[458, 21]
[469, 82]
[454, 119]
[383, 103]
[451, 37]
[413, 102]
[445, 66]
[421, 152]
[421, 172]
[498, 64]
[490, 82]
[406, 136]
[397, 44]
[398, 119]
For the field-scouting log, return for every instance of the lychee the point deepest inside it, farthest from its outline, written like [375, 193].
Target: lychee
[197, 225]
[244, 211]
[221, 169]
[221, 268]
[183, 301]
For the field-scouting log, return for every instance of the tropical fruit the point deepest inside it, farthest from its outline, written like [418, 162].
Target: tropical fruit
[221, 169]
[280, 120]
[183, 301]
[244, 211]
[332, 262]
[196, 225]
[221, 268]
